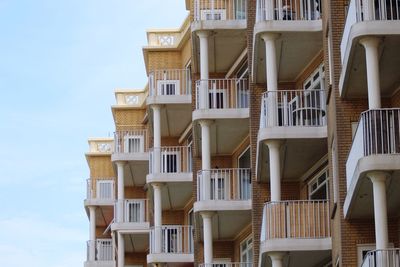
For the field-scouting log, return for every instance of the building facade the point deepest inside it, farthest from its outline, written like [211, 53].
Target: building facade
[268, 135]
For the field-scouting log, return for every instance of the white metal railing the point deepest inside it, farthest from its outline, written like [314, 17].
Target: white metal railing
[382, 258]
[170, 82]
[170, 159]
[131, 141]
[224, 184]
[131, 210]
[288, 10]
[227, 264]
[100, 188]
[176, 239]
[222, 94]
[102, 248]
[293, 108]
[378, 132]
[305, 219]
[220, 10]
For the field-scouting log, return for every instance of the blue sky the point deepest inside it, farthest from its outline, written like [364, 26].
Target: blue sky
[60, 61]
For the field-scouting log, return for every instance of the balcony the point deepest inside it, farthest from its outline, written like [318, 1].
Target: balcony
[375, 147]
[301, 227]
[132, 146]
[299, 119]
[299, 25]
[172, 166]
[172, 89]
[227, 264]
[370, 18]
[226, 102]
[382, 258]
[103, 253]
[228, 192]
[175, 246]
[100, 146]
[100, 191]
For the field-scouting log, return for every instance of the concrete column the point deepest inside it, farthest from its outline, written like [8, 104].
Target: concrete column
[120, 190]
[121, 251]
[208, 239]
[269, 9]
[371, 45]
[276, 258]
[92, 233]
[204, 71]
[157, 217]
[275, 169]
[271, 75]
[156, 138]
[378, 179]
[206, 158]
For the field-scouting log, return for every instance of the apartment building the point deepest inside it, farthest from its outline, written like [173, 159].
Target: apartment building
[268, 135]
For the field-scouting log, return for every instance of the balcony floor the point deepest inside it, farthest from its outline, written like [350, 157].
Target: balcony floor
[317, 257]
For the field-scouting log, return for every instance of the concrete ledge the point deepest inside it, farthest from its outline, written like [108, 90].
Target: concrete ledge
[183, 177]
[130, 156]
[292, 132]
[222, 205]
[357, 31]
[280, 26]
[364, 165]
[218, 25]
[99, 264]
[131, 228]
[214, 114]
[98, 202]
[169, 99]
[169, 257]
[295, 244]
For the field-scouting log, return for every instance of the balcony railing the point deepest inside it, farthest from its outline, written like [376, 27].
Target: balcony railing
[131, 211]
[131, 141]
[103, 249]
[227, 264]
[382, 258]
[293, 108]
[222, 94]
[175, 239]
[378, 132]
[224, 184]
[304, 219]
[288, 10]
[172, 159]
[100, 188]
[170, 82]
[220, 10]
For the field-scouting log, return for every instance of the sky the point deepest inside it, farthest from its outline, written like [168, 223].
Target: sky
[60, 62]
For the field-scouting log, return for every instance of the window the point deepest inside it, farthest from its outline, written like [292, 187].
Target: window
[318, 186]
[240, 10]
[246, 250]
[244, 175]
[170, 162]
[105, 189]
[134, 144]
[134, 211]
[168, 87]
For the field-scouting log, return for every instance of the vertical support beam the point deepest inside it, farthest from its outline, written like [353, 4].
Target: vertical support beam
[371, 45]
[204, 71]
[378, 179]
[269, 9]
[92, 233]
[120, 191]
[208, 240]
[206, 158]
[121, 251]
[157, 217]
[156, 138]
[275, 169]
[276, 258]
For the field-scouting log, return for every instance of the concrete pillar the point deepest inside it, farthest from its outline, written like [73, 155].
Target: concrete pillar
[378, 179]
[208, 239]
[204, 71]
[371, 45]
[206, 158]
[276, 258]
[271, 68]
[157, 217]
[92, 233]
[156, 138]
[269, 9]
[120, 191]
[275, 169]
[121, 251]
